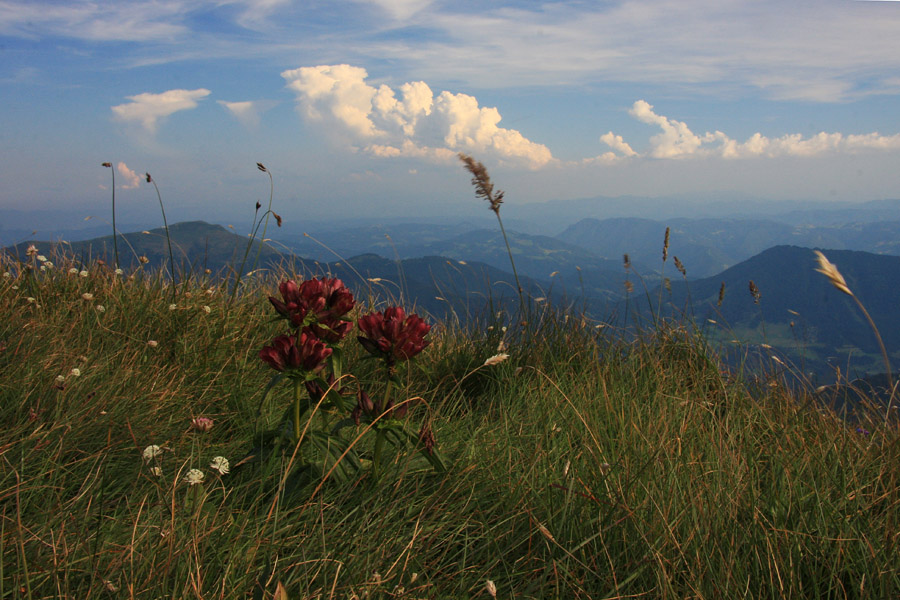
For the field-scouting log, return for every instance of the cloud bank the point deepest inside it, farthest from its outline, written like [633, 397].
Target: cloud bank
[416, 123]
[676, 140]
[147, 109]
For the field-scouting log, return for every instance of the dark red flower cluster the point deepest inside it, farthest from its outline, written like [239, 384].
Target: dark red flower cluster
[318, 305]
[392, 335]
[293, 353]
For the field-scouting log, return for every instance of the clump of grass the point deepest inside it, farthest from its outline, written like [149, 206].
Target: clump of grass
[583, 465]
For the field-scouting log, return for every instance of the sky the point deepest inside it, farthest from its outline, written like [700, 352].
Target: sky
[359, 108]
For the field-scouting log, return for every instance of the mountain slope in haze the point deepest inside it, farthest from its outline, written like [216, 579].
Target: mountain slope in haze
[196, 246]
[441, 286]
[798, 308]
[709, 246]
[559, 266]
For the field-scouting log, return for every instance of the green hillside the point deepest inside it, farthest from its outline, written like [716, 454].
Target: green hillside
[147, 452]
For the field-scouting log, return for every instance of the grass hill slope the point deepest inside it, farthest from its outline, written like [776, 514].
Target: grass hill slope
[581, 466]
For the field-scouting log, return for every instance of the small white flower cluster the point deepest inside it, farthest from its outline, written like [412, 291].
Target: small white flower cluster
[219, 464]
[151, 452]
[194, 476]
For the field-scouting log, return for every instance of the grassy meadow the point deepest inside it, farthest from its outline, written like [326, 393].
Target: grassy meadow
[585, 465]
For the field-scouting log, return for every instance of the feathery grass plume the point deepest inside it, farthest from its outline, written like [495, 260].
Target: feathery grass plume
[837, 280]
[721, 294]
[168, 238]
[109, 166]
[680, 266]
[754, 291]
[830, 271]
[484, 188]
[627, 261]
[666, 246]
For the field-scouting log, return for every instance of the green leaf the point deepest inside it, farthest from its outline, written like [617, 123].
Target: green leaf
[336, 453]
[272, 383]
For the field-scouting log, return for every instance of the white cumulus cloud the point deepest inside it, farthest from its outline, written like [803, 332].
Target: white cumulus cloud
[676, 140]
[147, 109]
[413, 122]
[132, 179]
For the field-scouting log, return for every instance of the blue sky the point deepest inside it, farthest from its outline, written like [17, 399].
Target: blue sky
[360, 106]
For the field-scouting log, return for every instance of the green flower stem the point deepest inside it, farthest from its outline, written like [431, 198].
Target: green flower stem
[380, 435]
[297, 410]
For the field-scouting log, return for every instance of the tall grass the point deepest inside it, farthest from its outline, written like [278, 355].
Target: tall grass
[584, 466]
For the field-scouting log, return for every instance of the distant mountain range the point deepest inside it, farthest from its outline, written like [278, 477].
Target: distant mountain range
[448, 270]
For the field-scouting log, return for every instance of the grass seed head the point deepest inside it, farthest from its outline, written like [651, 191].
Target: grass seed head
[830, 270]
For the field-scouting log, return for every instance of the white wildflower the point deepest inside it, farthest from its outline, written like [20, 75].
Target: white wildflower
[60, 379]
[194, 476]
[87, 296]
[172, 307]
[157, 471]
[496, 359]
[152, 343]
[48, 264]
[76, 372]
[152, 451]
[73, 271]
[43, 269]
[42, 258]
[100, 308]
[207, 309]
[491, 588]
[7, 275]
[83, 273]
[30, 300]
[220, 464]
[120, 272]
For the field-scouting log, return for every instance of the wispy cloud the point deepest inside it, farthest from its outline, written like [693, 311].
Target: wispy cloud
[94, 21]
[399, 9]
[147, 109]
[827, 51]
[417, 124]
[676, 140]
[248, 111]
